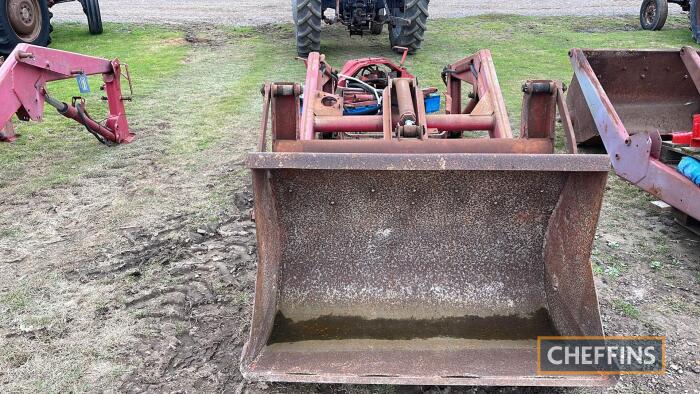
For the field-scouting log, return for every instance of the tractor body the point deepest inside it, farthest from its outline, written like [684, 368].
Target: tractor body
[29, 21]
[406, 20]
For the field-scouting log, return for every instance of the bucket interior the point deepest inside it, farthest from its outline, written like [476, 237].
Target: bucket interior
[650, 90]
[420, 274]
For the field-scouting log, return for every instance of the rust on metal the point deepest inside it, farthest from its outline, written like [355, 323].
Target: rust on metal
[649, 90]
[611, 101]
[463, 145]
[394, 250]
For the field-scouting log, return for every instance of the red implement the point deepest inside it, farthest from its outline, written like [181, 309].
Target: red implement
[23, 79]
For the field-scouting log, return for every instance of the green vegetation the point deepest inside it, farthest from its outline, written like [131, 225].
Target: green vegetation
[628, 309]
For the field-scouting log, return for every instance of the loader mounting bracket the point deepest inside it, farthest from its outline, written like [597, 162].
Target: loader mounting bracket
[23, 79]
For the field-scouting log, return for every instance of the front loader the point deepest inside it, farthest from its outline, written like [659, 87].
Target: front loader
[406, 20]
[398, 246]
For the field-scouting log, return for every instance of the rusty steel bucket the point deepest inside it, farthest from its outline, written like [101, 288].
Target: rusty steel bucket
[636, 100]
[380, 265]
[651, 90]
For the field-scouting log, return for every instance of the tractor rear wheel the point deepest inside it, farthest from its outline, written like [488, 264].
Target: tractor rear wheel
[307, 16]
[24, 21]
[91, 8]
[653, 14]
[411, 36]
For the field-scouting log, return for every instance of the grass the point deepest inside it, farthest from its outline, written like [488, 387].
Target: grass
[626, 308]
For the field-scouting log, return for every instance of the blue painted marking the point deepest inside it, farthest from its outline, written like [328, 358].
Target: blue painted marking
[83, 84]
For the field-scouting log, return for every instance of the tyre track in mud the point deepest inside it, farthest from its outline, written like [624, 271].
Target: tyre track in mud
[189, 288]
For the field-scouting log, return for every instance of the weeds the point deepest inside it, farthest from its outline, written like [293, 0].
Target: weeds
[626, 308]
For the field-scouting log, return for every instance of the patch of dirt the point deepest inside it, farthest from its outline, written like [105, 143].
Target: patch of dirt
[190, 292]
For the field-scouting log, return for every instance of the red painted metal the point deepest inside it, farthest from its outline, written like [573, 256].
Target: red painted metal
[634, 156]
[375, 123]
[352, 67]
[395, 250]
[486, 97]
[23, 79]
[682, 138]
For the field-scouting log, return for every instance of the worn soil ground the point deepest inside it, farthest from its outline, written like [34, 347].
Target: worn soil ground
[135, 271]
[256, 12]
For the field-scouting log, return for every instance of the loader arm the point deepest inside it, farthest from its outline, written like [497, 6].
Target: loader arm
[23, 79]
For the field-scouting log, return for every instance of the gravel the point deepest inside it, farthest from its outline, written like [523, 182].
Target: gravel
[256, 12]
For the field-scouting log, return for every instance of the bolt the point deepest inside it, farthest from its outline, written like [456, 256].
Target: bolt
[617, 156]
[332, 202]
[628, 141]
[643, 76]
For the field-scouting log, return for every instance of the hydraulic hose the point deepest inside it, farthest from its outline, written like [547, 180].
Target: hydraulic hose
[78, 114]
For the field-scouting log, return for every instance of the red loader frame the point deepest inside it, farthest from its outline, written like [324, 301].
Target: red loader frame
[23, 79]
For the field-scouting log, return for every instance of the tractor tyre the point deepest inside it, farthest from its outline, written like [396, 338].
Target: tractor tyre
[411, 37]
[653, 14]
[91, 8]
[376, 28]
[24, 21]
[307, 16]
[695, 20]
